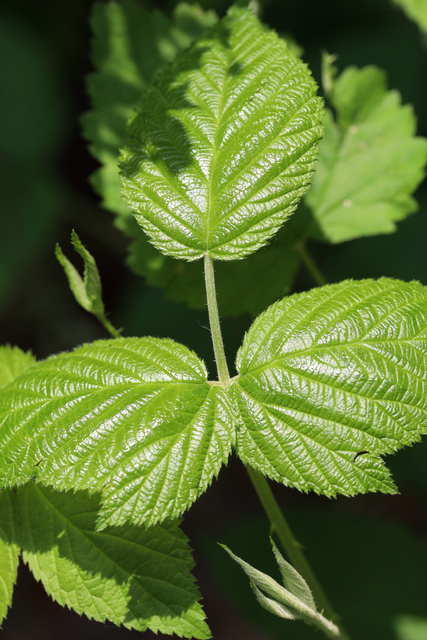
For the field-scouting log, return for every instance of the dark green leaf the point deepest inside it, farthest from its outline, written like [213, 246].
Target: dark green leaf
[135, 577]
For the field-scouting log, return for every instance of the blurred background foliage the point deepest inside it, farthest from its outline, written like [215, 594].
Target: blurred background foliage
[368, 551]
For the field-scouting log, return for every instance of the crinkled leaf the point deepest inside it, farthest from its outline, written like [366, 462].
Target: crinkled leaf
[129, 45]
[132, 418]
[239, 286]
[13, 361]
[9, 552]
[87, 290]
[330, 380]
[370, 161]
[136, 577]
[222, 146]
[416, 10]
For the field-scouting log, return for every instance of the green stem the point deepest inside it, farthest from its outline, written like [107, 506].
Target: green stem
[292, 546]
[108, 326]
[310, 265]
[218, 345]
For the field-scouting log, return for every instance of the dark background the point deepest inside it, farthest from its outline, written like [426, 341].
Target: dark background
[371, 551]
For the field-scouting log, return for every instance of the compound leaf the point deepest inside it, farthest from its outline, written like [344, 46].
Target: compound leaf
[132, 418]
[222, 146]
[370, 161]
[136, 577]
[416, 10]
[9, 552]
[129, 45]
[330, 380]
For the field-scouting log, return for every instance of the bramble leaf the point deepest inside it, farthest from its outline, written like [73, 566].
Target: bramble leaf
[239, 286]
[87, 290]
[129, 45]
[134, 419]
[136, 577]
[13, 361]
[370, 162]
[222, 146]
[332, 379]
[416, 10]
[9, 552]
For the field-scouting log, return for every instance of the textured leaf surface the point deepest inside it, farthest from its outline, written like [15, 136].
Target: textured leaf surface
[129, 45]
[331, 379]
[134, 419]
[223, 144]
[240, 288]
[136, 577]
[417, 10]
[13, 361]
[370, 162]
[9, 552]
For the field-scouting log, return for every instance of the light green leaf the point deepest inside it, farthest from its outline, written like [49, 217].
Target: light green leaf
[132, 418]
[281, 601]
[13, 361]
[129, 45]
[416, 10]
[222, 146]
[410, 628]
[135, 577]
[370, 162]
[239, 286]
[87, 290]
[330, 380]
[292, 580]
[9, 552]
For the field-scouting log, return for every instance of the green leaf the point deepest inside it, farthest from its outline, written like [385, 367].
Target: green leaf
[330, 380]
[222, 146]
[292, 580]
[9, 552]
[370, 161]
[13, 362]
[416, 10]
[87, 290]
[239, 286]
[410, 628]
[135, 577]
[129, 45]
[132, 418]
[281, 601]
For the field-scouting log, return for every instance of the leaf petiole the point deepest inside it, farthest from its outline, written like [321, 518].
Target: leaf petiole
[218, 345]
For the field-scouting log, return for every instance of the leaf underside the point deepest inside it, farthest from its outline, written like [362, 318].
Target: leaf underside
[370, 161]
[223, 144]
[330, 380]
[133, 419]
[135, 577]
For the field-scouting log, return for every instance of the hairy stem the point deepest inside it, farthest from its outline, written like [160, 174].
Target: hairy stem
[108, 326]
[310, 265]
[218, 345]
[292, 547]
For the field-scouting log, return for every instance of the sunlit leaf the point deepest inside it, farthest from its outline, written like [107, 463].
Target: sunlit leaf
[370, 160]
[134, 419]
[222, 147]
[332, 379]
